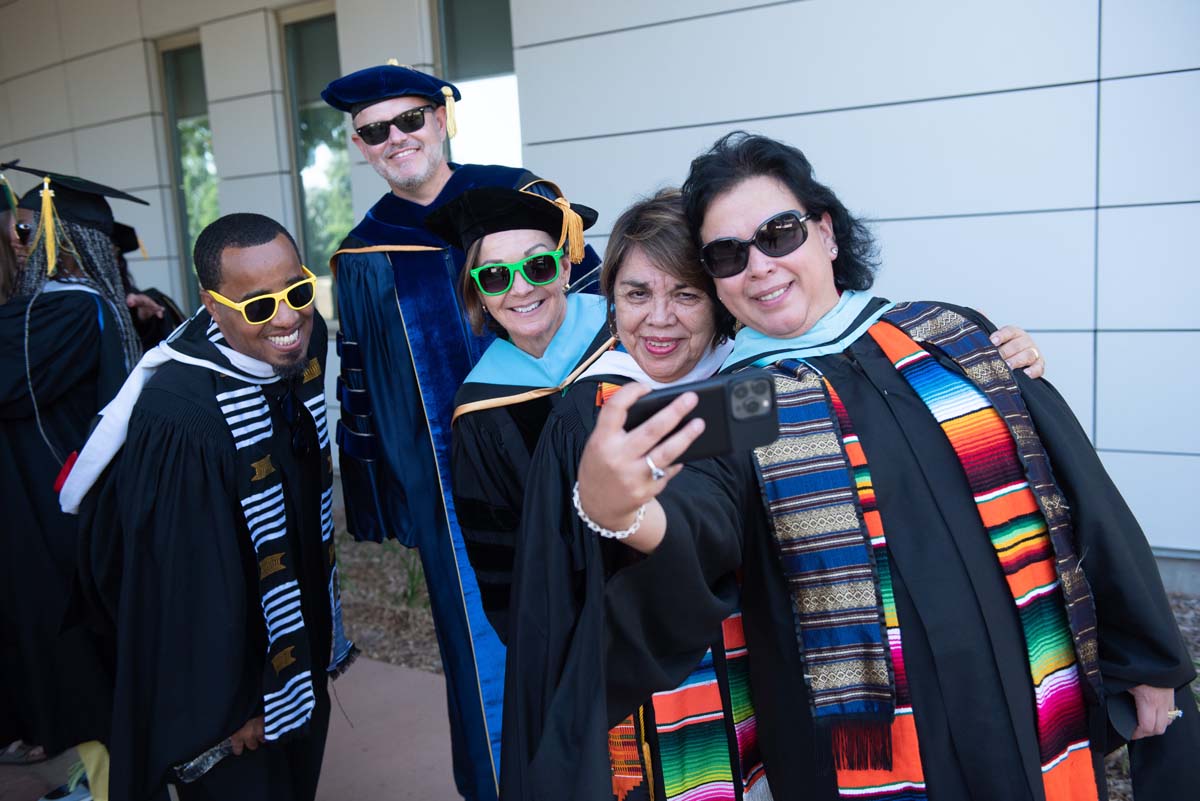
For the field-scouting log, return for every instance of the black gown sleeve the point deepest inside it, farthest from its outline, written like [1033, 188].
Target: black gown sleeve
[1140, 641]
[488, 488]
[166, 564]
[72, 336]
[578, 626]
[663, 611]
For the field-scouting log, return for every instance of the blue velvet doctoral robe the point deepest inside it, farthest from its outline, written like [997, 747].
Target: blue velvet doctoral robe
[405, 348]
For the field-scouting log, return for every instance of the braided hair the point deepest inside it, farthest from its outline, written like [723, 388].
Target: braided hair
[98, 269]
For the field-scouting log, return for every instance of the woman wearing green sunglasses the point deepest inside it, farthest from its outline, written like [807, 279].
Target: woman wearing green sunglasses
[520, 247]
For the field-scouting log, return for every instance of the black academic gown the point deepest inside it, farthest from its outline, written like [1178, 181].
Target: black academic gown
[172, 575]
[963, 644]
[491, 451]
[52, 690]
[595, 628]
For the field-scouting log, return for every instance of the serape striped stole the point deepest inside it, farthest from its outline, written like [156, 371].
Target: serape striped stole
[288, 694]
[700, 738]
[1020, 536]
[817, 481]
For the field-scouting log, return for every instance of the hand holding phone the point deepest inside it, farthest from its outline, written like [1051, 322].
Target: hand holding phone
[738, 411]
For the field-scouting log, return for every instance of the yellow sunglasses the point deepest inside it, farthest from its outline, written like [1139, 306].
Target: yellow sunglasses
[261, 309]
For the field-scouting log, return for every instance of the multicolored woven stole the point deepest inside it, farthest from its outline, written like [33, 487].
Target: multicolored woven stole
[969, 346]
[818, 526]
[745, 725]
[626, 748]
[906, 779]
[1018, 532]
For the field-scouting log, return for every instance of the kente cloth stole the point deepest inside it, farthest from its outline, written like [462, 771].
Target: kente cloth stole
[288, 695]
[627, 748]
[1019, 534]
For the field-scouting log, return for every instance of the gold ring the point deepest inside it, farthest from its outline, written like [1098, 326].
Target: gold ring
[1036, 355]
[1174, 714]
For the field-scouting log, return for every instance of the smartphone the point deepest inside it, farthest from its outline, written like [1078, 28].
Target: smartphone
[738, 411]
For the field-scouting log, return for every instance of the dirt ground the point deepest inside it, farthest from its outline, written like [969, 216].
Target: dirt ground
[387, 614]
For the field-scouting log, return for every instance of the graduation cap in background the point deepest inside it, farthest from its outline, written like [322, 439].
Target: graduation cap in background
[366, 87]
[126, 239]
[489, 209]
[70, 198]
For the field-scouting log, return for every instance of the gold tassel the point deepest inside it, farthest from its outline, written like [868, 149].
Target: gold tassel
[451, 123]
[142, 248]
[46, 228]
[649, 764]
[572, 231]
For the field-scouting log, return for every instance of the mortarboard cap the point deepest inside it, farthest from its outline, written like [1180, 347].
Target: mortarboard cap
[70, 198]
[490, 209]
[126, 239]
[358, 90]
[76, 200]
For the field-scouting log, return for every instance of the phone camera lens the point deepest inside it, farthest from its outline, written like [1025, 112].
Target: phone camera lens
[740, 391]
[752, 407]
[761, 387]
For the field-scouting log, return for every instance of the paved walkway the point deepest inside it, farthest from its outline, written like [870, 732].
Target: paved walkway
[393, 742]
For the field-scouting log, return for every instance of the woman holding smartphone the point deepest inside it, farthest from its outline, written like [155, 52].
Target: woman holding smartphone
[660, 632]
[913, 593]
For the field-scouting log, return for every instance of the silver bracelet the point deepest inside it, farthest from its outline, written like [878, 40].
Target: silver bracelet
[601, 530]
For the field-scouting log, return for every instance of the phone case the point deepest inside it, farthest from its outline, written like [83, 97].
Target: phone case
[738, 411]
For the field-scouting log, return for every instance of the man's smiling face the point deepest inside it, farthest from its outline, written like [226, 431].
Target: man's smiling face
[405, 160]
[246, 272]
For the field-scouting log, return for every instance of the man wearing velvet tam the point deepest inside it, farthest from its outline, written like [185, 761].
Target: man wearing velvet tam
[405, 349]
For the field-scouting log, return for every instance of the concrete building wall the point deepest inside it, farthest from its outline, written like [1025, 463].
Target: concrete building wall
[1035, 160]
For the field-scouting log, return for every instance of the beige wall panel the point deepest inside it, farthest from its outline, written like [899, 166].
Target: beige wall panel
[29, 37]
[1044, 282]
[1150, 267]
[241, 56]
[262, 194]
[1147, 384]
[123, 154]
[5, 121]
[542, 20]
[1149, 36]
[371, 32]
[366, 186]
[92, 25]
[1146, 481]
[248, 135]
[1007, 152]
[55, 153]
[162, 17]
[38, 103]
[799, 57]
[1148, 140]
[110, 85]
[163, 275]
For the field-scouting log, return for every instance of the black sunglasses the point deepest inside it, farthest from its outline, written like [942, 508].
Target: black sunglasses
[778, 236]
[376, 133]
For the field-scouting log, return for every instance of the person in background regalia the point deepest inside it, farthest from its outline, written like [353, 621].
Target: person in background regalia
[405, 348]
[154, 314]
[66, 344]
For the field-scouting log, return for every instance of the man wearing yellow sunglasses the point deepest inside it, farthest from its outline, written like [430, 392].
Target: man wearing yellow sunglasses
[218, 507]
[265, 309]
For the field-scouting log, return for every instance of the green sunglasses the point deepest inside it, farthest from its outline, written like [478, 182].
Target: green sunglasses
[537, 270]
